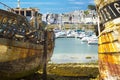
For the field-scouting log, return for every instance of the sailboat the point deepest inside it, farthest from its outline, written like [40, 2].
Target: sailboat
[23, 42]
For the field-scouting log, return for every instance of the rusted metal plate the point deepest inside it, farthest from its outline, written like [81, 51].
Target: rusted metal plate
[20, 61]
[109, 39]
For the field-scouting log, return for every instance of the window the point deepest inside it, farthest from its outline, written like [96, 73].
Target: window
[22, 13]
[17, 12]
[28, 13]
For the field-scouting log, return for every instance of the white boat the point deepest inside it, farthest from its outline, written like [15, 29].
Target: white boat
[93, 40]
[71, 33]
[81, 35]
[85, 39]
[60, 34]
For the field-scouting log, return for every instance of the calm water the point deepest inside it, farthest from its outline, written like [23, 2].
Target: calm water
[69, 50]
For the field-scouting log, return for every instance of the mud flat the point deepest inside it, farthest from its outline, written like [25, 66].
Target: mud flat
[67, 71]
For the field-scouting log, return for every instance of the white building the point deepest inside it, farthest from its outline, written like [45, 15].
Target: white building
[78, 16]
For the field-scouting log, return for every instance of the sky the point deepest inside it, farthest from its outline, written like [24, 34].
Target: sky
[51, 6]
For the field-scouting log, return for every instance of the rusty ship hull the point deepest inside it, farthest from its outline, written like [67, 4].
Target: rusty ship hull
[109, 39]
[22, 46]
[20, 59]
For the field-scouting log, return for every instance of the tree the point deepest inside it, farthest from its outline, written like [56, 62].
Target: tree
[91, 7]
[86, 12]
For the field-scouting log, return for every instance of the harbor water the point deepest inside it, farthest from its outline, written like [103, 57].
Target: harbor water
[73, 50]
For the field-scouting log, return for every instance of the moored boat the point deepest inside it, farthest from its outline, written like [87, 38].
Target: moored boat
[109, 39]
[93, 40]
[22, 42]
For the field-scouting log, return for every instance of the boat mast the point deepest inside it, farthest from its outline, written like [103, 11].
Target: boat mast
[18, 3]
[98, 25]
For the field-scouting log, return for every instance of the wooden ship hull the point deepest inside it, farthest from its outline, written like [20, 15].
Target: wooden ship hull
[18, 59]
[109, 39]
[22, 47]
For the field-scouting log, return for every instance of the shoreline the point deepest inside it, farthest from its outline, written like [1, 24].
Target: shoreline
[76, 58]
[73, 69]
[67, 71]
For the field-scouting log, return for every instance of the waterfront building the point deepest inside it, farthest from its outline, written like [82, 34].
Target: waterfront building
[78, 16]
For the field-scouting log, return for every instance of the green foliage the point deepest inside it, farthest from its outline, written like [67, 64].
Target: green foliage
[91, 7]
[86, 12]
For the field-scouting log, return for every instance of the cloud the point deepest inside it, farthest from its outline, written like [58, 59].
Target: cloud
[35, 3]
[71, 0]
[91, 2]
[42, 3]
[75, 2]
[79, 3]
[61, 8]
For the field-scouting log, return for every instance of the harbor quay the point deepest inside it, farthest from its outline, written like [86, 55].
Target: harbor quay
[72, 26]
[67, 71]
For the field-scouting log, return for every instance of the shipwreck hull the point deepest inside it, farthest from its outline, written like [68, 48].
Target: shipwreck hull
[23, 48]
[20, 67]
[18, 59]
[109, 39]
